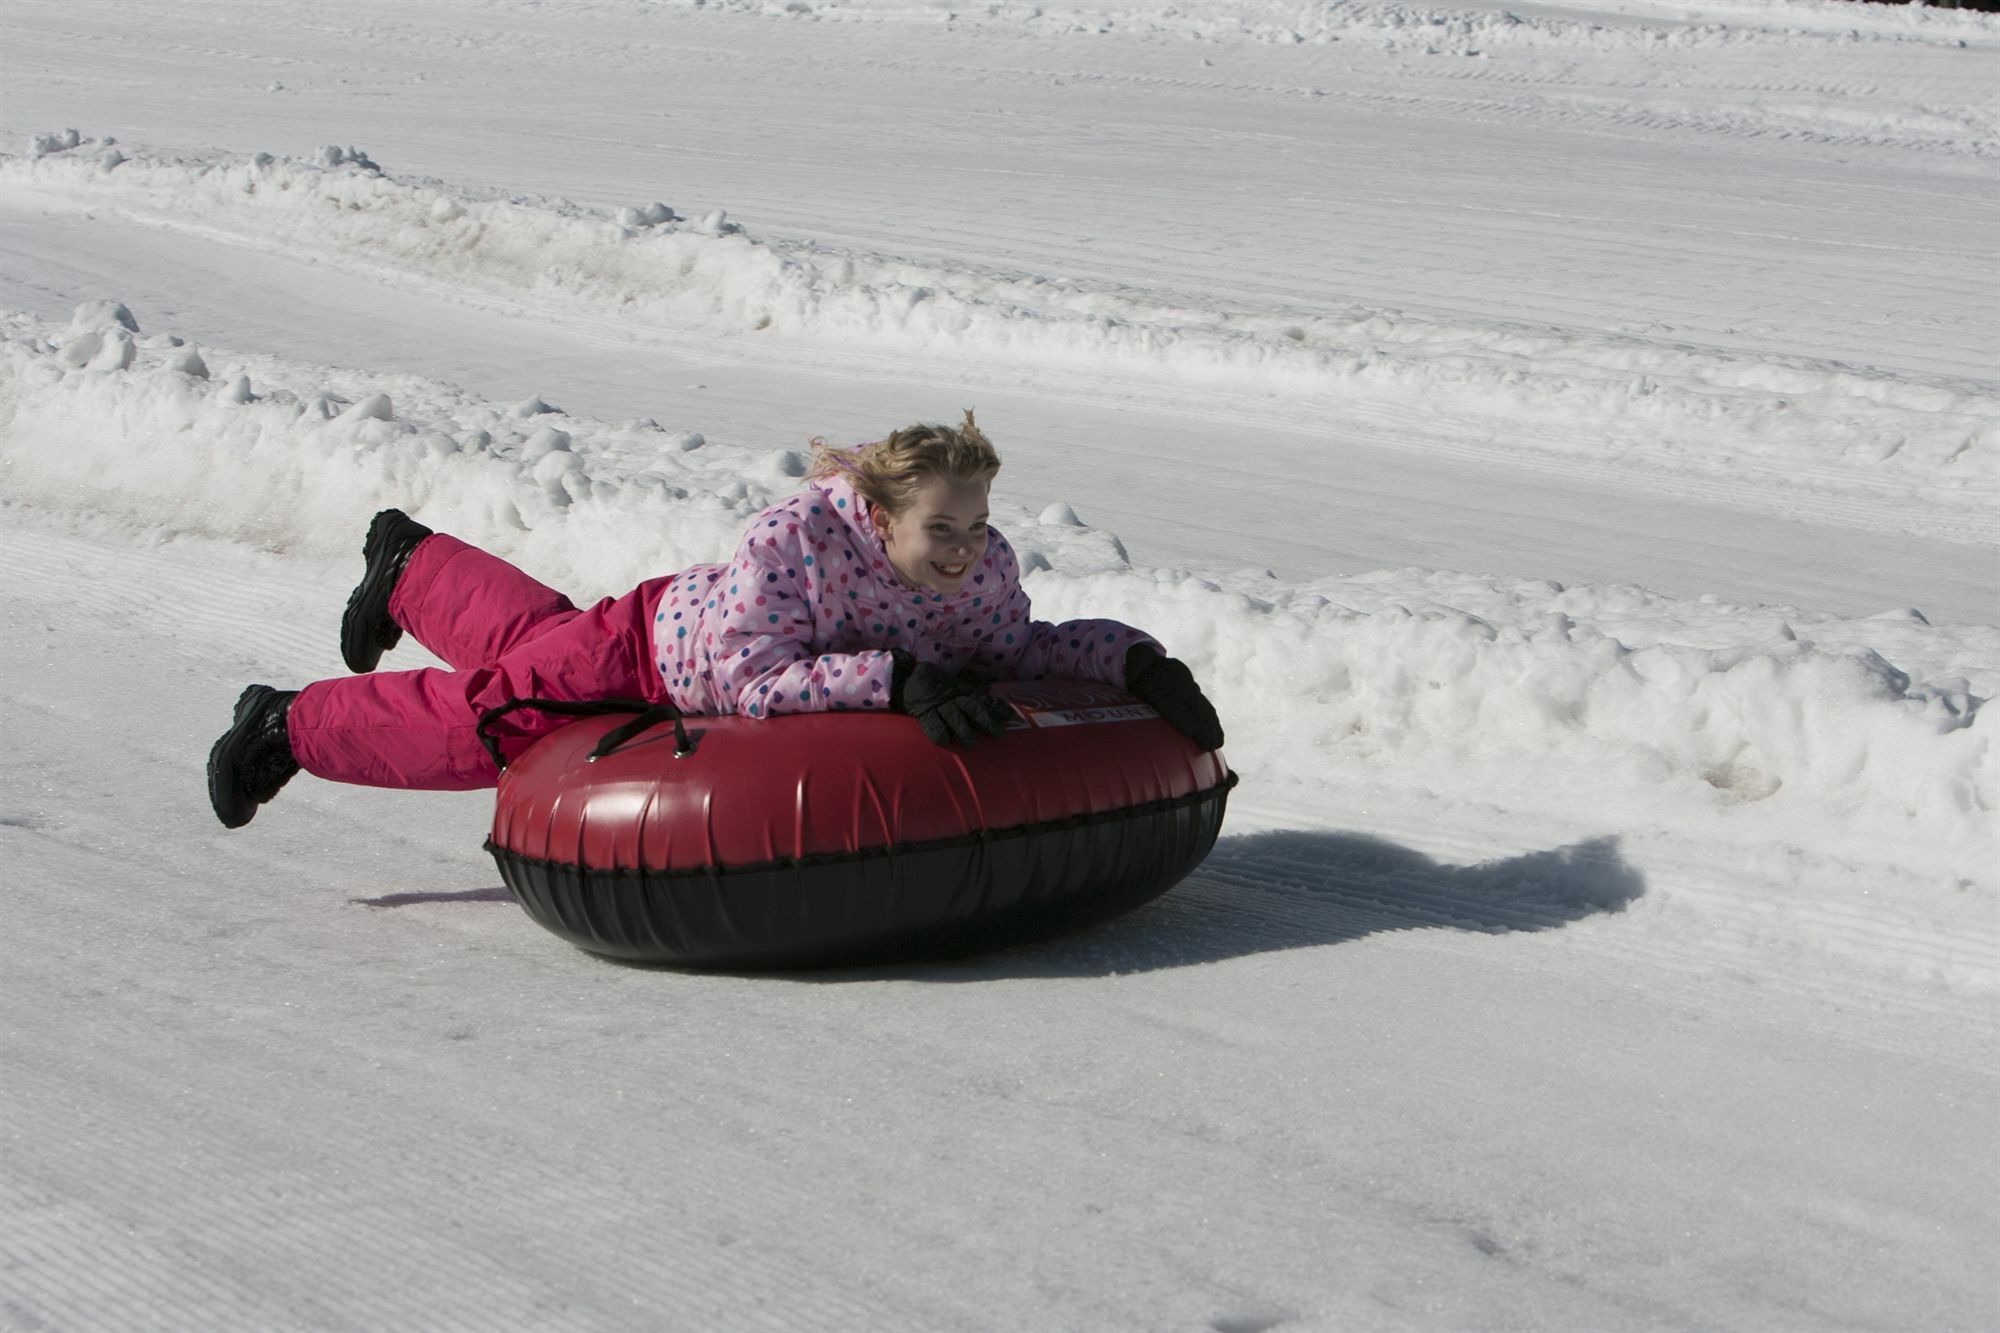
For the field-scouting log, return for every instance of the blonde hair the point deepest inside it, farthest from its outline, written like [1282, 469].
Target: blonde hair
[890, 472]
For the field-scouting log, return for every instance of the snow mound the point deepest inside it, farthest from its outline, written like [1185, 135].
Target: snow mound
[1654, 52]
[1462, 29]
[1613, 698]
[1782, 424]
[1503, 685]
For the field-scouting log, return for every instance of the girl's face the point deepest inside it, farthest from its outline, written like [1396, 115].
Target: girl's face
[936, 541]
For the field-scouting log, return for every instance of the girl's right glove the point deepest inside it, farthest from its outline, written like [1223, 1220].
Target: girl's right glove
[948, 705]
[1168, 687]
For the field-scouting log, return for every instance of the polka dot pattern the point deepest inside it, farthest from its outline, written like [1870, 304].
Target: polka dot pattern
[802, 619]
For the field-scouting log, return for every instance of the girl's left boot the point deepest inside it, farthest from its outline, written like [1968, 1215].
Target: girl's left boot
[253, 759]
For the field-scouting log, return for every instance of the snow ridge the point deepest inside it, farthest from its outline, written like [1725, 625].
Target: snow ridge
[1462, 29]
[1614, 696]
[1775, 426]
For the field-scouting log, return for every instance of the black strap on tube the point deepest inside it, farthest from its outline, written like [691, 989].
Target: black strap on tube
[649, 716]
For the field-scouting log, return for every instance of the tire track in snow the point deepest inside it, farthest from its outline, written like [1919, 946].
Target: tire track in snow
[221, 1233]
[213, 594]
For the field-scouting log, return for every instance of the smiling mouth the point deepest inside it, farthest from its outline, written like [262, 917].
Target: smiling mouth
[951, 571]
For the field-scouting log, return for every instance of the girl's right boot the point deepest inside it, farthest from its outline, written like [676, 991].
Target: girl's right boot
[253, 759]
[366, 629]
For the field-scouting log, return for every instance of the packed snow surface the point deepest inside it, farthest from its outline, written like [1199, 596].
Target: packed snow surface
[1564, 439]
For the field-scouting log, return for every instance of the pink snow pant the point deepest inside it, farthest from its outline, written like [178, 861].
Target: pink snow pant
[506, 637]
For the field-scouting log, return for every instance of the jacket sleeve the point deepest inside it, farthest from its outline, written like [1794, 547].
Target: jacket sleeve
[1019, 647]
[766, 659]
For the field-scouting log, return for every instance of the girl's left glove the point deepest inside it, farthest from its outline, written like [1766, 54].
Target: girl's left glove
[1167, 686]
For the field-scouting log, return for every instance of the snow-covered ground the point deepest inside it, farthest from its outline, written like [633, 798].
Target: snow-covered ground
[1561, 436]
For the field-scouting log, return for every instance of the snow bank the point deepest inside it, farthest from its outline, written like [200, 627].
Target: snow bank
[1465, 28]
[1612, 698]
[1783, 423]
[1733, 67]
[1706, 704]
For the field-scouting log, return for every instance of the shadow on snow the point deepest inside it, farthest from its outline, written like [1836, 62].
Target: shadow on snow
[1266, 892]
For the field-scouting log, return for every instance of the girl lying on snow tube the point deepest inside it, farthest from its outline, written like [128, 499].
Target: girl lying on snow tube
[879, 587]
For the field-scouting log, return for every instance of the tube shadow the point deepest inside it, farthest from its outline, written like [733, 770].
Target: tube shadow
[493, 895]
[1265, 892]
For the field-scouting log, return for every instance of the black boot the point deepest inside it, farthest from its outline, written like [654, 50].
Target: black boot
[366, 632]
[254, 757]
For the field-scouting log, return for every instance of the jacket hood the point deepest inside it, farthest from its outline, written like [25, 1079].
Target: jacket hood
[852, 508]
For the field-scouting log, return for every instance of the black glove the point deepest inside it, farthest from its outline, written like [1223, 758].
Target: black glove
[948, 705]
[1167, 686]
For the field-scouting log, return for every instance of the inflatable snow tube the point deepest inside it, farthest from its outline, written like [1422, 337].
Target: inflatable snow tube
[848, 838]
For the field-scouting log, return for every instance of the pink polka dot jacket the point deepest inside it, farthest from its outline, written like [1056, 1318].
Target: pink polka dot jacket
[802, 619]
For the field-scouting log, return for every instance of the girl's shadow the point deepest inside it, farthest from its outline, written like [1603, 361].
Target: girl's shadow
[1269, 891]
